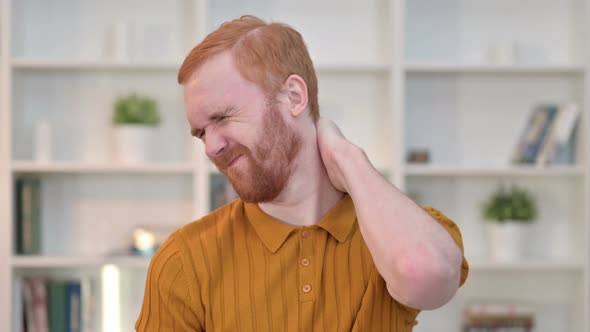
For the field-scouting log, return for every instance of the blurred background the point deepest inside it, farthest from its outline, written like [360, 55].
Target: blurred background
[476, 107]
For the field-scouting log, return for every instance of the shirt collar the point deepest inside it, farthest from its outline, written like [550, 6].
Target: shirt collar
[339, 222]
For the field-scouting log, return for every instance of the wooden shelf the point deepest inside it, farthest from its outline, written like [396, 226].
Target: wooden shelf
[430, 170]
[78, 167]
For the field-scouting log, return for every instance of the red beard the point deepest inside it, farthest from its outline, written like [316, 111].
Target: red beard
[261, 176]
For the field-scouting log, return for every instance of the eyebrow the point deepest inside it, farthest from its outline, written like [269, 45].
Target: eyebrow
[197, 132]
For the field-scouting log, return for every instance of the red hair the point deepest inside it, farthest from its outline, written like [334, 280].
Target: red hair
[265, 53]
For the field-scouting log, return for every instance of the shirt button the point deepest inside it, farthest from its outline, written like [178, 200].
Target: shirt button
[306, 288]
[305, 234]
[305, 262]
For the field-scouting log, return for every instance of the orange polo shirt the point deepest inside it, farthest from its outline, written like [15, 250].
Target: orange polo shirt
[239, 269]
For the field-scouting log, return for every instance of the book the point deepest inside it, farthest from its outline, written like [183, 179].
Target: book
[73, 306]
[57, 305]
[70, 305]
[498, 317]
[29, 318]
[28, 216]
[559, 146]
[564, 144]
[535, 133]
[39, 287]
[35, 305]
[87, 291]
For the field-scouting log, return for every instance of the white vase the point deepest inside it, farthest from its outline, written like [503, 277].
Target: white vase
[132, 143]
[118, 42]
[42, 142]
[506, 240]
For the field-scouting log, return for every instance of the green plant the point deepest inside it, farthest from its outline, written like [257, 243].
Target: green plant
[514, 204]
[136, 109]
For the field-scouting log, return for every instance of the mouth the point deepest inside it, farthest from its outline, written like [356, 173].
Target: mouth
[233, 162]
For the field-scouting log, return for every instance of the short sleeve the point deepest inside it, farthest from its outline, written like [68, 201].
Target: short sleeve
[168, 304]
[455, 233]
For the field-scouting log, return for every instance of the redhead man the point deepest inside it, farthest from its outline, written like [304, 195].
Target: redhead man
[318, 240]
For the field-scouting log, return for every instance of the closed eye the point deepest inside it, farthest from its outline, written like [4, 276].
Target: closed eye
[198, 133]
[217, 118]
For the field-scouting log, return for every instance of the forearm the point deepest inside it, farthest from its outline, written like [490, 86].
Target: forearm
[416, 256]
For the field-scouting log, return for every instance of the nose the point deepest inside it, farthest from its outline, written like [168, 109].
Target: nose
[215, 143]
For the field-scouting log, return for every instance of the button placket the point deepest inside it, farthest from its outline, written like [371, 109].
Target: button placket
[306, 275]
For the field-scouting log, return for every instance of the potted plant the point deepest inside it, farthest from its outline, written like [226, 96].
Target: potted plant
[509, 213]
[135, 118]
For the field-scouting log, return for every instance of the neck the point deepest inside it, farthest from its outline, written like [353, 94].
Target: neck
[309, 194]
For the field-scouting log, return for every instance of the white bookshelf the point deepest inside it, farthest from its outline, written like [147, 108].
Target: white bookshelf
[7, 302]
[468, 109]
[395, 75]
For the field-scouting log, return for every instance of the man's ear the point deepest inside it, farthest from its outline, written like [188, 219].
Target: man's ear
[296, 92]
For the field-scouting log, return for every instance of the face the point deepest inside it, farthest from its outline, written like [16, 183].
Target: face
[244, 132]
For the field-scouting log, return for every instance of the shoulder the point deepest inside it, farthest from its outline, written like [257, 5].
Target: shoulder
[200, 243]
[182, 246]
[212, 225]
[171, 284]
[168, 262]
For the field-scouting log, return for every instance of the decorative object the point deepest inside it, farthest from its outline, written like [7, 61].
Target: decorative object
[118, 42]
[42, 142]
[509, 212]
[503, 54]
[418, 156]
[148, 238]
[474, 56]
[135, 118]
[509, 316]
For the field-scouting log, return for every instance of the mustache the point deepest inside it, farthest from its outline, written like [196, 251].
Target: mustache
[227, 157]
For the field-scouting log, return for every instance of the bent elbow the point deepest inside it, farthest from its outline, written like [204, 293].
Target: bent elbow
[425, 282]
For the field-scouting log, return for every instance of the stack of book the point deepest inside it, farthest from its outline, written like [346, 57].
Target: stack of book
[548, 136]
[486, 317]
[57, 305]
